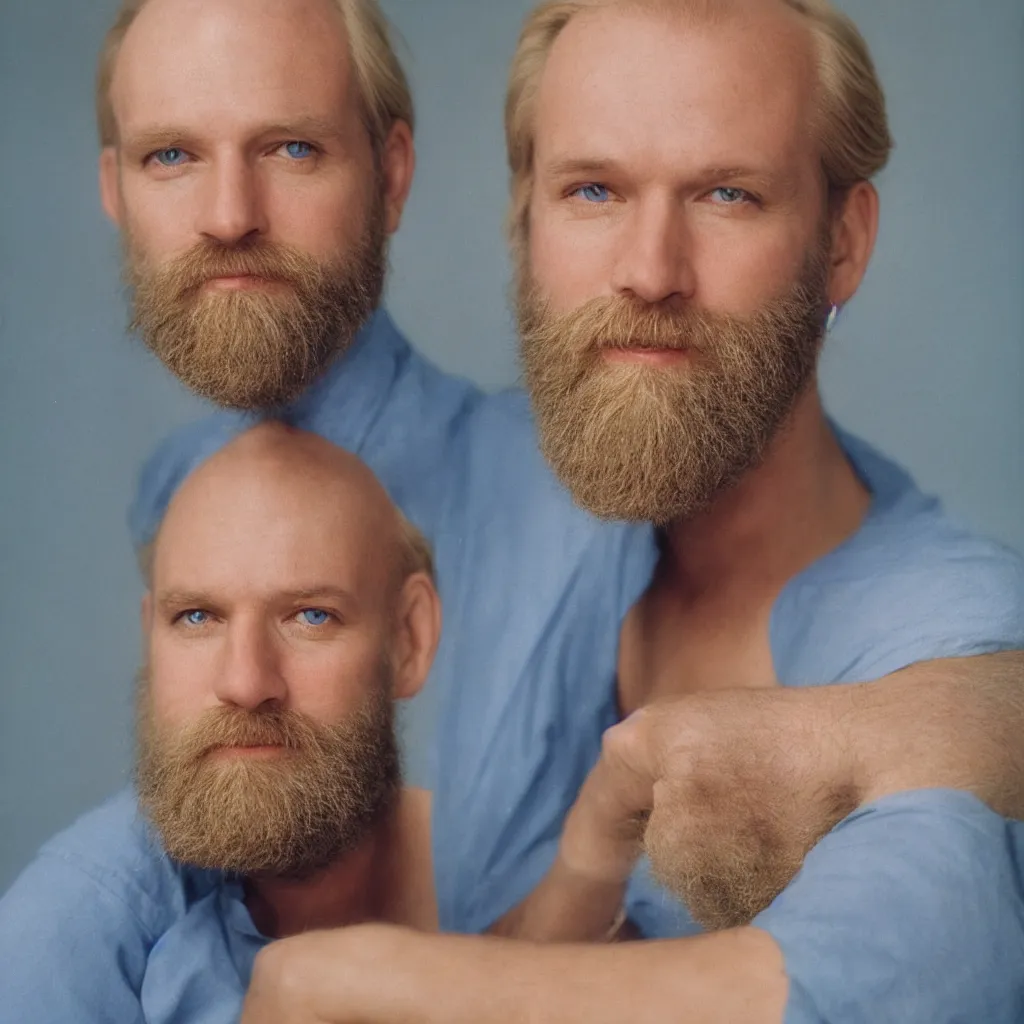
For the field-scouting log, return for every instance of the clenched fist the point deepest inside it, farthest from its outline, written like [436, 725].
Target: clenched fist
[742, 785]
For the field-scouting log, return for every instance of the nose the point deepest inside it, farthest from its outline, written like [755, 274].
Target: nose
[250, 673]
[231, 208]
[653, 262]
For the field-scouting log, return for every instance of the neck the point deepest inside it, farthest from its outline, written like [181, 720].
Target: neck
[803, 500]
[353, 890]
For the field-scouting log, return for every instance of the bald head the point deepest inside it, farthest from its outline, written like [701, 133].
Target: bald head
[280, 500]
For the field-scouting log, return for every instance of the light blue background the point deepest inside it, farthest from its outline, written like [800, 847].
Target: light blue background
[928, 361]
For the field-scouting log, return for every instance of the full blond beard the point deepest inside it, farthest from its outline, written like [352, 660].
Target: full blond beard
[290, 816]
[651, 444]
[256, 350]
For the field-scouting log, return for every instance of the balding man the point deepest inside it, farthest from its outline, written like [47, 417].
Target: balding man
[692, 201]
[256, 156]
[289, 605]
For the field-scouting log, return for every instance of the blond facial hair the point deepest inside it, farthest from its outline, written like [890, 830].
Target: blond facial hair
[255, 348]
[290, 815]
[646, 443]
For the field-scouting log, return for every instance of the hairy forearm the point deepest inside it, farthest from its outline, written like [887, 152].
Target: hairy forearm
[954, 724]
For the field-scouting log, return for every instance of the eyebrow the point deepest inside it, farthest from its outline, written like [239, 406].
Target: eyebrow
[329, 591]
[159, 137]
[565, 167]
[182, 599]
[589, 166]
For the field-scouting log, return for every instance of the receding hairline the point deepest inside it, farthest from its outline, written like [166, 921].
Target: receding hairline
[849, 117]
[382, 89]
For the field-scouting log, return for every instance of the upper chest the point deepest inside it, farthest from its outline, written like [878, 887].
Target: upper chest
[671, 647]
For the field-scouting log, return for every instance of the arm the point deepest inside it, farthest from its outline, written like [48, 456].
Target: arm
[910, 911]
[581, 898]
[953, 723]
[744, 784]
[380, 975]
[762, 776]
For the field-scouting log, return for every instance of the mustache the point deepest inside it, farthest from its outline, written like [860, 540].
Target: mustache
[236, 727]
[619, 322]
[206, 260]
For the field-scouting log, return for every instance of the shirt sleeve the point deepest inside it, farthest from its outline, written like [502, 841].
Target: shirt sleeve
[71, 950]
[879, 609]
[909, 911]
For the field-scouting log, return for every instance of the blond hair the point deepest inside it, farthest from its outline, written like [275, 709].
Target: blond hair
[852, 124]
[384, 94]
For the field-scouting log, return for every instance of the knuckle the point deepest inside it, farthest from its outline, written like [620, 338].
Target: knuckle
[621, 740]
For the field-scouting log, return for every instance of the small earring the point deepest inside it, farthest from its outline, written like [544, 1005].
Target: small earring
[833, 316]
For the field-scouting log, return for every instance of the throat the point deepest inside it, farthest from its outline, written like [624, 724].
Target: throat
[705, 621]
[345, 893]
[388, 878]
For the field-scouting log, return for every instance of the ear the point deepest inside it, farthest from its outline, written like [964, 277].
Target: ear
[417, 634]
[853, 241]
[398, 163]
[110, 191]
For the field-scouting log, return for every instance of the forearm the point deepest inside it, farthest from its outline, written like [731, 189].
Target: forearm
[581, 897]
[953, 724]
[565, 907]
[711, 979]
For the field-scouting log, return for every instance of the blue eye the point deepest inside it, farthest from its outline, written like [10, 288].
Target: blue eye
[593, 193]
[172, 157]
[731, 196]
[298, 150]
[315, 616]
[196, 617]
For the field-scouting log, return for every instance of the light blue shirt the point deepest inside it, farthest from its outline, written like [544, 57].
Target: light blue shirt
[103, 927]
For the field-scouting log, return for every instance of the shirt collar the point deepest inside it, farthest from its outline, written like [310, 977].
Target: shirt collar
[347, 400]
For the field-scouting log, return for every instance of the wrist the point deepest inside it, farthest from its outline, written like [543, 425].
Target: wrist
[598, 850]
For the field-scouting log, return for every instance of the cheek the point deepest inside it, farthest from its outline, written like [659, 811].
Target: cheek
[181, 680]
[329, 680]
[321, 218]
[570, 259]
[155, 234]
[738, 271]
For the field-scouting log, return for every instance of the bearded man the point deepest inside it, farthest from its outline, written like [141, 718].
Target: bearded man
[692, 204]
[289, 605]
[239, 131]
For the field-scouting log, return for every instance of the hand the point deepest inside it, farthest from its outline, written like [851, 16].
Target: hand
[740, 786]
[603, 834]
[329, 977]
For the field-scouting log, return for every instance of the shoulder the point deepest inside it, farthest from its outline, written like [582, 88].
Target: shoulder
[912, 585]
[79, 924]
[111, 853]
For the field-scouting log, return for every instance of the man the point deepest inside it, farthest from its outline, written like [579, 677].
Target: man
[288, 606]
[692, 201]
[291, 139]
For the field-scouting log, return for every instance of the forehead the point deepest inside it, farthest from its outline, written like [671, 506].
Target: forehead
[245, 528]
[625, 83]
[222, 63]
